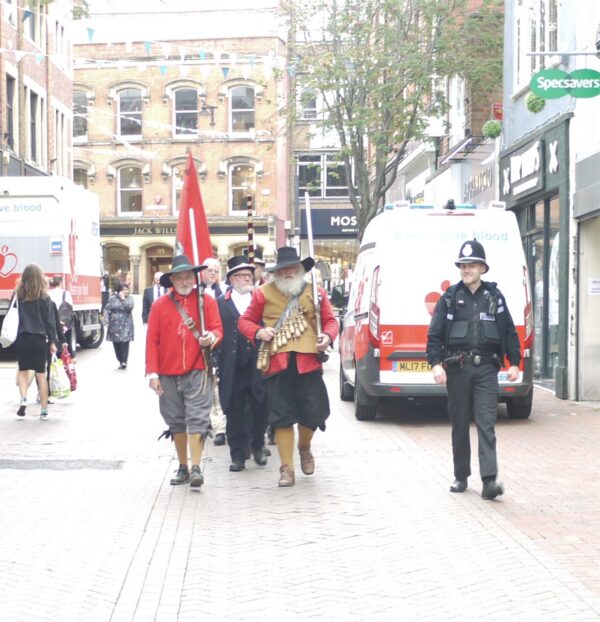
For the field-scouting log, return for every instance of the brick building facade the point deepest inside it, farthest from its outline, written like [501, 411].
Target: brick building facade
[141, 108]
[35, 88]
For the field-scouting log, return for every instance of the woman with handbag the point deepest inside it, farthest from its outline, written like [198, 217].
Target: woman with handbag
[37, 332]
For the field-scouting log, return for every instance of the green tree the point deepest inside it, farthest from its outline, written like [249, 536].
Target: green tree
[380, 67]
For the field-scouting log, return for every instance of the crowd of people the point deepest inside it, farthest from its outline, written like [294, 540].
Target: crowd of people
[232, 359]
[203, 349]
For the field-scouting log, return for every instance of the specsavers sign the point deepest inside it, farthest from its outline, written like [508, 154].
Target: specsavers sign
[555, 83]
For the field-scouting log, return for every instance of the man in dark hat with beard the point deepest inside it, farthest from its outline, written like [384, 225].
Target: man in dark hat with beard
[242, 389]
[176, 365]
[470, 334]
[282, 317]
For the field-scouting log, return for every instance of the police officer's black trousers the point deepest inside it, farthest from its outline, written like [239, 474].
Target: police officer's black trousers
[473, 392]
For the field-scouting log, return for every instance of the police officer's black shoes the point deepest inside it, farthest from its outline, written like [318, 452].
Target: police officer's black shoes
[458, 485]
[491, 489]
[182, 477]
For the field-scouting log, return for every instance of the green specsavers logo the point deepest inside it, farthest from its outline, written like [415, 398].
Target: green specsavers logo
[555, 83]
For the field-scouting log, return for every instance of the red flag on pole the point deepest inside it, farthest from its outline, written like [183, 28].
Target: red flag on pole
[192, 237]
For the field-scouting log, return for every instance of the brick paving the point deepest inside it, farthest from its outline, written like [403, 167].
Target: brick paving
[93, 531]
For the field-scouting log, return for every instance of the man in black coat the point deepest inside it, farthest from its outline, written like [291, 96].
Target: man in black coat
[150, 295]
[241, 387]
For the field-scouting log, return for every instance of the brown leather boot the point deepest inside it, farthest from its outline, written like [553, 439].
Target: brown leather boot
[307, 461]
[287, 478]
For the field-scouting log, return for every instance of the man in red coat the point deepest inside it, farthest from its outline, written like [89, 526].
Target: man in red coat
[176, 365]
[282, 315]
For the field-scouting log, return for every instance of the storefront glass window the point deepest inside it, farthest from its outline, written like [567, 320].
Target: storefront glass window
[537, 252]
[554, 212]
[539, 214]
[543, 247]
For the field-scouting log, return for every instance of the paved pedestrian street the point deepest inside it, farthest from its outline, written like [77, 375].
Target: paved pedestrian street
[91, 530]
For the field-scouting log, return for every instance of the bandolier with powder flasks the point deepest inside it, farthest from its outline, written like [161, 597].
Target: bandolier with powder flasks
[294, 324]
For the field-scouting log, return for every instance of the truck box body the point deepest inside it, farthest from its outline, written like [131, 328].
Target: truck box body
[406, 261]
[54, 223]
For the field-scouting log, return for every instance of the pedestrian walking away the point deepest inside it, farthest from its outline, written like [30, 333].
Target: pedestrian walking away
[242, 388]
[182, 326]
[36, 334]
[152, 293]
[119, 319]
[470, 335]
[283, 316]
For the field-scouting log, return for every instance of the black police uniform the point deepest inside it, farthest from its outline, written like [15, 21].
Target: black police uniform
[471, 333]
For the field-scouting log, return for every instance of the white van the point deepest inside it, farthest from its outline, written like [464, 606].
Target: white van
[405, 262]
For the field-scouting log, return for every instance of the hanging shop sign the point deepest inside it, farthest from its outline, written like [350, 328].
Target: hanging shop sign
[555, 83]
[330, 223]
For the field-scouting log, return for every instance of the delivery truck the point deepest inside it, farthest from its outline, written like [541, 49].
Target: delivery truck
[54, 223]
[405, 263]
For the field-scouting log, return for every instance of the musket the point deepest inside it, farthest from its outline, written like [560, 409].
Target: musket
[323, 356]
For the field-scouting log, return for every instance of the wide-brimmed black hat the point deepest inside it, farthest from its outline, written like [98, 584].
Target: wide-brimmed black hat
[472, 252]
[181, 263]
[238, 262]
[288, 256]
[258, 257]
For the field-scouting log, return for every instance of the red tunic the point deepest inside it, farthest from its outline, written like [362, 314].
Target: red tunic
[171, 348]
[250, 323]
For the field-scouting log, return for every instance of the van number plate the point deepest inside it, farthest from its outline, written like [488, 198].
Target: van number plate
[410, 366]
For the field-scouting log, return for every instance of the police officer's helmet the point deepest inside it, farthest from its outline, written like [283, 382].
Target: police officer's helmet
[472, 252]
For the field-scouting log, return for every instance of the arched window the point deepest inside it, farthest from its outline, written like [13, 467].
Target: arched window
[80, 115]
[129, 190]
[130, 112]
[80, 177]
[242, 182]
[185, 120]
[242, 112]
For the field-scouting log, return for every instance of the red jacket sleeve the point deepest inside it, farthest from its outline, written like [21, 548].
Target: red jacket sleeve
[329, 323]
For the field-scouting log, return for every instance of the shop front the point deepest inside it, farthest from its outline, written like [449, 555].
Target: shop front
[534, 175]
[335, 233]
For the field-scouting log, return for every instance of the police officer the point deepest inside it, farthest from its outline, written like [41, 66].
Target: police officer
[470, 333]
